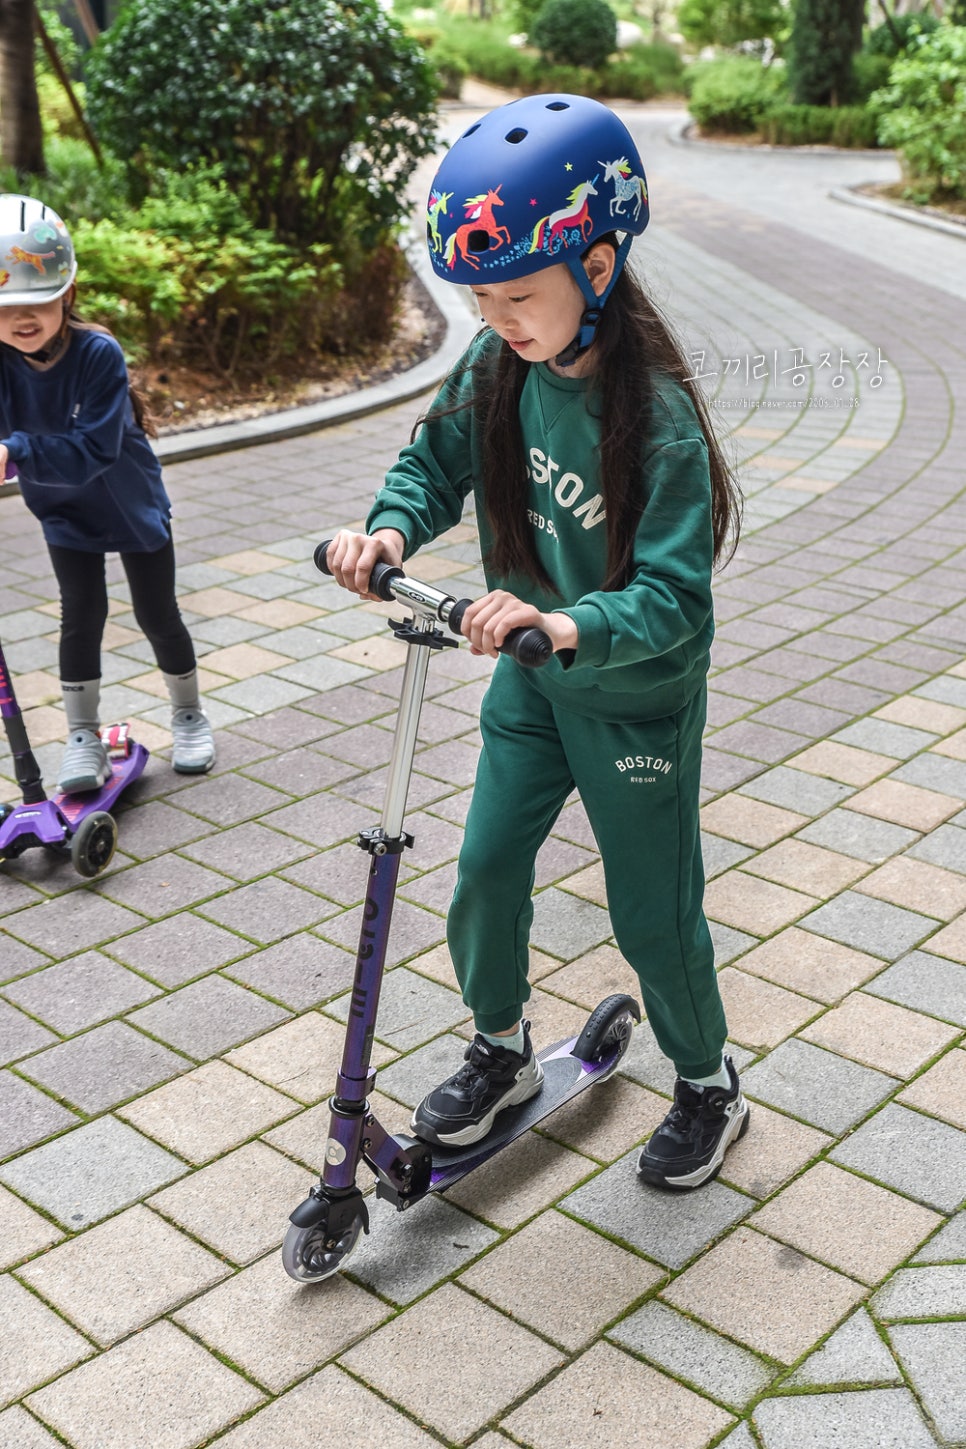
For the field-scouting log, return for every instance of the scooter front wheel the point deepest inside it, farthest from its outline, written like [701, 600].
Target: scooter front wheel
[93, 843]
[309, 1254]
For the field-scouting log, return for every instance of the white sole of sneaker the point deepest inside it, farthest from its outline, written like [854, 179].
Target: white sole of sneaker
[522, 1092]
[737, 1128]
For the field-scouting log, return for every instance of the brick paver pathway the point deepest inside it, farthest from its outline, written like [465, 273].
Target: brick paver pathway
[170, 1031]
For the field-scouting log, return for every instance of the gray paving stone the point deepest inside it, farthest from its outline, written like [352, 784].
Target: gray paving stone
[413, 930]
[406, 1253]
[300, 971]
[945, 846]
[411, 1009]
[860, 836]
[862, 1419]
[871, 925]
[720, 854]
[933, 1355]
[883, 737]
[266, 910]
[945, 689]
[927, 1292]
[566, 925]
[161, 887]
[853, 1354]
[948, 1245]
[916, 1155]
[155, 827]
[729, 943]
[79, 993]
[826, 1090]
[934, 772]
[92, 1172]
[104, 1067]
[644, 1061]
[740, 1438]
[71, 922]
[689, 1351]
[16, 959]
[179, 949]
[18, 1430]
[27, 1116]
[670, 1228]
[795, 790]
[228, 800]
[34, 1343]
[209, 1016]
[924, 983]
[19, 1036]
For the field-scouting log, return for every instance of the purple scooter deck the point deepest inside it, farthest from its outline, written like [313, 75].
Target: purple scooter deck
[564, 1077]
[124, 771]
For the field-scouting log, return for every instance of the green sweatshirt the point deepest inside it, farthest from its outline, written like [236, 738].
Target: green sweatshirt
[642, 650]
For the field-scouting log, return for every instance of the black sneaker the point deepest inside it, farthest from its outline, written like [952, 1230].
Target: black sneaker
[689, 1146]
[461, 1109]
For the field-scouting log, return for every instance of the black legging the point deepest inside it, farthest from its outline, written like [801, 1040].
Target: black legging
[83, 607]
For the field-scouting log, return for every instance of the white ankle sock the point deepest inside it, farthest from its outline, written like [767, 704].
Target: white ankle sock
[183, 689]
[721, 1078]
[82, 704]
[514, 1043]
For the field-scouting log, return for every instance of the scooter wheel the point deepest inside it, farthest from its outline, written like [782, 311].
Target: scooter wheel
[610, 1027]
[308, 1255]
[93, 843]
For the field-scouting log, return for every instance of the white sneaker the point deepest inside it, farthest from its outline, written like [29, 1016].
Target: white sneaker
[85, 765]
[193, 751]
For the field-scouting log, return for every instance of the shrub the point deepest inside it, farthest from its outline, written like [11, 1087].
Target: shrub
[317, 111]
[922, 112]
[729, 22]
[870, 71]
[642, 71]
[895, 36]
[790, 125]
[733, 93]
[575, 32]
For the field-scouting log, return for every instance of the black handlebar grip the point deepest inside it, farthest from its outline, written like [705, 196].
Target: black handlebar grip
[528, 645]
[380, 579]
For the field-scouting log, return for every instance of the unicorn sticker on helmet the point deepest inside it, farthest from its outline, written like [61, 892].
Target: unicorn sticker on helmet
[627, 186]
[438, 202]
[481, 232]
[556, 230]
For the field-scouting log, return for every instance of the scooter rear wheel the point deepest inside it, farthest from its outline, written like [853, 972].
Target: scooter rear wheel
[610, 1027]
[308, 1255]
[93, 843]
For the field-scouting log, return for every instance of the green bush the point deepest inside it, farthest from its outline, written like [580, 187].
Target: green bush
[790, 125]
[641, 72]
[922, 112]
[317, 111]
[896, 35]
[575, 32]
[731, 95]
[870, 71]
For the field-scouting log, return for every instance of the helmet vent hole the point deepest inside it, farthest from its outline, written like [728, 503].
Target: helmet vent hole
[558, 106]
[472, 128]
[515, 137]
[479, 241]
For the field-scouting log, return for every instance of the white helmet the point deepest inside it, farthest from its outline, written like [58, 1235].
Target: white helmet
[36, 253]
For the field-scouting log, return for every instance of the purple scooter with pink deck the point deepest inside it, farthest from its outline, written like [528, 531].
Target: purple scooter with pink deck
[326, 1227]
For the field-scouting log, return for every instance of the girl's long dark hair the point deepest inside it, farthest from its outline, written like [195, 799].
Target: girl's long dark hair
[633, 345]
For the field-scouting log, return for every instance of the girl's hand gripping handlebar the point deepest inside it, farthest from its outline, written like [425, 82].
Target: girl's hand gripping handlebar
[529, 646]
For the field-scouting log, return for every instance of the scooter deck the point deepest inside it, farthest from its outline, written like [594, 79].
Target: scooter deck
[124, 771]
[564, 1077]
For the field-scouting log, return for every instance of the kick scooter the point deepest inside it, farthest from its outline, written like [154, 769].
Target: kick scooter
[81, 824]
[326, 1227]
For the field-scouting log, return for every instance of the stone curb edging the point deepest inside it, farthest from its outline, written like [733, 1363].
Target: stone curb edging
[452, 305]
[853, 197]
[679, 135]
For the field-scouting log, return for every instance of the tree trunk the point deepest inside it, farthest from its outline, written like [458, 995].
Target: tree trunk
[21, 136]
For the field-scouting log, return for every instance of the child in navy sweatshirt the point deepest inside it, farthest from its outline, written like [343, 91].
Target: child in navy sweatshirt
[73, 430]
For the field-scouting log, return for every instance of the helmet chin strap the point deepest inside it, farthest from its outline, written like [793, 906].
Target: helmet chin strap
[595, 304]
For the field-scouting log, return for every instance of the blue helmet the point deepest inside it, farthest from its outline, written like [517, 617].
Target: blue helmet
[534, 183]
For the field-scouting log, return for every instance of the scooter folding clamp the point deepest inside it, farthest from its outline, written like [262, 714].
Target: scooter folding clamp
[407, 632]
[376, 842]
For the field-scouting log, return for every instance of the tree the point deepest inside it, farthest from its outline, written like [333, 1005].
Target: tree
[315, 111]
[825, 36]
[729, 22]
[21, 134]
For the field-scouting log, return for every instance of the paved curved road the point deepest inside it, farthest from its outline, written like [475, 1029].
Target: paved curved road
[170, 1030]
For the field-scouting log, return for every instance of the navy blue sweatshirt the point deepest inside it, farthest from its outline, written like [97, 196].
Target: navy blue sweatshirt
[86, 468]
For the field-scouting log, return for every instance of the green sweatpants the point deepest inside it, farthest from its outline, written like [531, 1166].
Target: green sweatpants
[639, 785]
